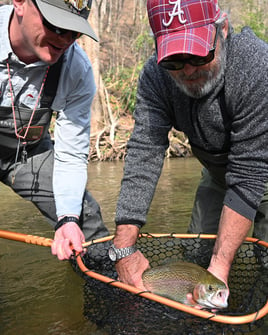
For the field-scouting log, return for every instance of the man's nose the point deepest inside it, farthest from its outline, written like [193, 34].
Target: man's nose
[189, 69]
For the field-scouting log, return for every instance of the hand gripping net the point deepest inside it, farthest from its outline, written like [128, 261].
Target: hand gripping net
[121, 309]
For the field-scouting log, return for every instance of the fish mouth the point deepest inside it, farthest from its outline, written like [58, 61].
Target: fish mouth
[217, 300]
[223, 296]
[214, 306]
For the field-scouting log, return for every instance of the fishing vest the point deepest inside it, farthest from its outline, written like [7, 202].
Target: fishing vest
[40, 123]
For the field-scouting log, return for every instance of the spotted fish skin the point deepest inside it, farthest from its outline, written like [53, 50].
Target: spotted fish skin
[177, 279]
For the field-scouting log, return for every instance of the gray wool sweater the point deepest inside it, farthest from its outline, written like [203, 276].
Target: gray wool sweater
[231, 120]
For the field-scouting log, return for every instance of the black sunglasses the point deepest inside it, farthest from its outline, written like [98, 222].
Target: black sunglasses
[173, 63]
[57, 30]
[60, 31]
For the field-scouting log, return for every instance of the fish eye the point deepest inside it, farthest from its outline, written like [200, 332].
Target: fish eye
[210, 287]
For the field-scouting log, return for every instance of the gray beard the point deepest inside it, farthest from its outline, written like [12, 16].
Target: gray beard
[213, 77]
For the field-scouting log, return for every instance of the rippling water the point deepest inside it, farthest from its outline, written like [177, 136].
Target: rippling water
[41, 295]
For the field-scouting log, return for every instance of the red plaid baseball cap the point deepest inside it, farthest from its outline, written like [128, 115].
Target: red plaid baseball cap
[182, 26]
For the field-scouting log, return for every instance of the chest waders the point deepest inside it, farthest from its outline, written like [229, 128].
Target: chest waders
[214, 163]
[210, 195]
[39, 125]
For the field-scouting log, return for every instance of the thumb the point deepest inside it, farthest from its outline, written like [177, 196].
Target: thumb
[77, 240]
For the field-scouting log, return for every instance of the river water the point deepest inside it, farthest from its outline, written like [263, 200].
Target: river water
[41, 295]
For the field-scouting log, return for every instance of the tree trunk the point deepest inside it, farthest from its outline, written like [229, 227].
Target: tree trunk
[92, 48]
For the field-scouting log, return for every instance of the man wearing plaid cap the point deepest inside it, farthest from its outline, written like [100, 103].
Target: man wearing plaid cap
[211, 84]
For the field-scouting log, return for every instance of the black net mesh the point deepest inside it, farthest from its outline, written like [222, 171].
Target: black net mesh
[120, 312]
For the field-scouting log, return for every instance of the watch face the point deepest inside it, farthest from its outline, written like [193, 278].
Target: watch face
[112, 254]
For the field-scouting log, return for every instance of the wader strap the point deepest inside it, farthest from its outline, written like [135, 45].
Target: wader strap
[40, 123]
[51, 84]
[215, 163]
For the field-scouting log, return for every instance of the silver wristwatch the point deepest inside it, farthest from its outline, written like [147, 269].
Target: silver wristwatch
[115, 254]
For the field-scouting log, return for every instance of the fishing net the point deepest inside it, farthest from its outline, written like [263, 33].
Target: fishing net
[118, 311]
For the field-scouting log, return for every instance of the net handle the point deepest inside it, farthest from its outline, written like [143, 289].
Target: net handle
[42, 241]
[31, 239]
[47, 242]
[38, 240]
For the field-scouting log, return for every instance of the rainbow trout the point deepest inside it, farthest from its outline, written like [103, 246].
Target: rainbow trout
[176, 280]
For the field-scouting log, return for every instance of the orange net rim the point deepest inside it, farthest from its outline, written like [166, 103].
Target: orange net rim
[248, 318]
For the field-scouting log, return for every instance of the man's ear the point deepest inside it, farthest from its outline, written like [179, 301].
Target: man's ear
[225, 26]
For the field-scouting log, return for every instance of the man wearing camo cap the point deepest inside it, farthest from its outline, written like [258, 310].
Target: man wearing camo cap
[42, 69]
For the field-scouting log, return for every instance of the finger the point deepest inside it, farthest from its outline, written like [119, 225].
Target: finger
[66, 248]
[54, 248]
[198, 307]
[56, 242]
[60, 250]
[76, 238]
[77, 245]
[57, 250]
[84, 252]
[214, 310]
[190, 300]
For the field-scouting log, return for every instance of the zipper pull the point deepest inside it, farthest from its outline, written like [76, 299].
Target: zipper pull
[24, 154]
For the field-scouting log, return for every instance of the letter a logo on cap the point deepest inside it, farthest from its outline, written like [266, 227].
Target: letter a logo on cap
[177, 11]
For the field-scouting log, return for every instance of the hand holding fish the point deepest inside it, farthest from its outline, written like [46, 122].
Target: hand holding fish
[131, 268]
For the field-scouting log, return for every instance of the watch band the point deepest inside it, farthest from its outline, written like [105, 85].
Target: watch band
[66, 219]
[118, 253]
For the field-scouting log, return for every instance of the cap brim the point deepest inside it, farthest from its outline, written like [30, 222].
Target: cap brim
[65, 20]
[195, 41]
